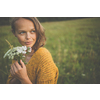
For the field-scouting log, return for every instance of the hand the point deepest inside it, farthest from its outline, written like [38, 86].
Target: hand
[19, 71]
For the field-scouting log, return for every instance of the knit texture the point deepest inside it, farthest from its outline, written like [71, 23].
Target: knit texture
[41, 68]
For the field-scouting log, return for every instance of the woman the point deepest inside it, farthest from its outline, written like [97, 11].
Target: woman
[41, 68]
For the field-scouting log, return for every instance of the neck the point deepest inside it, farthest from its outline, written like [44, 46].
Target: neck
[31, 53]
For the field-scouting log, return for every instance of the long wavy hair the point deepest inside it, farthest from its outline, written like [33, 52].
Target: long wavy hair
[40, 32]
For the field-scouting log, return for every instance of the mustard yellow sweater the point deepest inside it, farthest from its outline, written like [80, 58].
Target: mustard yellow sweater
[41, 68]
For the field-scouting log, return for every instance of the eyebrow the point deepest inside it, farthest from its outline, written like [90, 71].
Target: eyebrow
[25, 30]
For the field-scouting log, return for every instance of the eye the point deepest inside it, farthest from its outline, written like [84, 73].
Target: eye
[32, 31]
[22, 32]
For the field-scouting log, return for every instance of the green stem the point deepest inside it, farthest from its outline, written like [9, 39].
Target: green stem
[3, 71]
[11, 46]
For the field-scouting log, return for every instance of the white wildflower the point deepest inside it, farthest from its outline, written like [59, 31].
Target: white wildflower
[12, 57]
[75, 56]
[23, 56]
[29, 49]
[23, 52]
[17, 52]
[24, 47]
[83, 74]
[6, 53]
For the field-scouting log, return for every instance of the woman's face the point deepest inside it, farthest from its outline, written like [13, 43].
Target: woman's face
[25, 32]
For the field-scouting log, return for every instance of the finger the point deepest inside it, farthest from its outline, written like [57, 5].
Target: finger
[17, 65]
[14, 68]
[22, 63]
[11, 72]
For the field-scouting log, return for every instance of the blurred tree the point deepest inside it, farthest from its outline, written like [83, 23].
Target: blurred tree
[6, 20]
[46, 19]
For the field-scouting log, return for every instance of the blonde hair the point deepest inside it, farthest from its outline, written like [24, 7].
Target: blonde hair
[40, 42]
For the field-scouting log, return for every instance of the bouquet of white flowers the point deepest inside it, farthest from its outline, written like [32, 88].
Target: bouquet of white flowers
[17, 53]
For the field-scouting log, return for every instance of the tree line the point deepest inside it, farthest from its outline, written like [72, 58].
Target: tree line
[6, 20]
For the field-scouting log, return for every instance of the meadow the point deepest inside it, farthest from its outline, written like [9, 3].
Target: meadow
[74, 45]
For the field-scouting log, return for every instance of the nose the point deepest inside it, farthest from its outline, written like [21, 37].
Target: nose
[28, 35]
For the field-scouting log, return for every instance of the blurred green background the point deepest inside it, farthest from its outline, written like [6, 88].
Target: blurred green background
[74, 43]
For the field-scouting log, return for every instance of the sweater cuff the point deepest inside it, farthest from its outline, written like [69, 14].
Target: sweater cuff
[47, 82]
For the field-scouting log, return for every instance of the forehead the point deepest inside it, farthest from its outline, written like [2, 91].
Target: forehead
[23, 23]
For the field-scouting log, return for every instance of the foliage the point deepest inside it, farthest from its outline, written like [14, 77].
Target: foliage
[4, 20]
[75, 48]
[49, 19]
[7, 20]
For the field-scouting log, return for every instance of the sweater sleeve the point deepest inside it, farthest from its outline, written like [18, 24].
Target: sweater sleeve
[47, 70]
[9, 79]
[10, 76]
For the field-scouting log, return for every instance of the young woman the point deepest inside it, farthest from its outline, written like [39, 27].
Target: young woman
[40, 67]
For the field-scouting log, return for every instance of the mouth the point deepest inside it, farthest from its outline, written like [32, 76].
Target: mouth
[28, 43]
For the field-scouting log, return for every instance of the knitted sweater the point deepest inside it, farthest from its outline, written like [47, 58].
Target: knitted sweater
[41, 68]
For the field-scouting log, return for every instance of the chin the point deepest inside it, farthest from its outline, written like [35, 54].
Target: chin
[29, 45]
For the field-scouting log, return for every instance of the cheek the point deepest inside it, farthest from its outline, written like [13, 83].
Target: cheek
[34, 36]
[20, 38]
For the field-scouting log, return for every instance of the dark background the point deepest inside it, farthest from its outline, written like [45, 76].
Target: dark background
[6, 20]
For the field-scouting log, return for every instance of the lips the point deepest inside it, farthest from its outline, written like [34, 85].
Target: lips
[28, 43]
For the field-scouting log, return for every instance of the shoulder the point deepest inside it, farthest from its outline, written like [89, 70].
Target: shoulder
[43, 52]
[44, 56]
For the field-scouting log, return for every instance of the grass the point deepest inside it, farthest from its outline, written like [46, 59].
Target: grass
[74, 46]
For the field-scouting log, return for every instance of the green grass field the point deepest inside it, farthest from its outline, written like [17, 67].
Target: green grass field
[74, 45]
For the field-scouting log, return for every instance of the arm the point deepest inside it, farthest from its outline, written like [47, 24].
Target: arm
[47, 76]
[47, 72]
[12, 80]
[26, 81]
